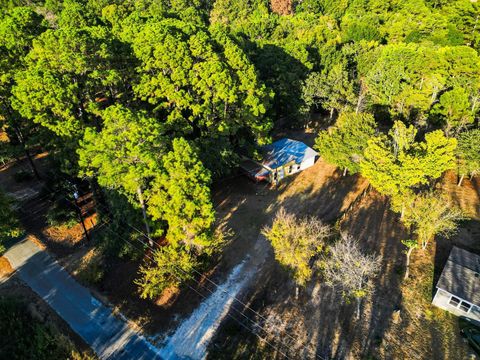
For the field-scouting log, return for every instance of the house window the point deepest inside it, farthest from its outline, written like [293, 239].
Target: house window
[465, 306]
[290, 169]
[298, 167]
[457, 303]
[454, 301]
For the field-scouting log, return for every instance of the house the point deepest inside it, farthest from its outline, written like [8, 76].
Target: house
[458, 289]
[280, 159]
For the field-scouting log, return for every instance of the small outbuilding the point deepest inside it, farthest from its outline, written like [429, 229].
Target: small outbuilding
[280, 159]
[458, 289]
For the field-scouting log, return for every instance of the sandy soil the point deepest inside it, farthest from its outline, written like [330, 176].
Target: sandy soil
[318, 323]
[397, 321]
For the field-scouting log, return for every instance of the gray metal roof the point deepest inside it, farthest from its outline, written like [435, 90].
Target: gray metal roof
[461, 275]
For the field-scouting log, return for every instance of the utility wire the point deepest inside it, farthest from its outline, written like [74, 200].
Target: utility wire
[178, 268]
[211, 292]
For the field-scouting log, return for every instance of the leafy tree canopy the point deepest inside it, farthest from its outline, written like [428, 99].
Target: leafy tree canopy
[468, 152]
[180, 195]
[344, 144]
[396, 164]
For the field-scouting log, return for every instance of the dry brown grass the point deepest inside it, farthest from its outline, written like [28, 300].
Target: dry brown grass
[467, 196]
[36, 241]
[5, 267]
[168, 297]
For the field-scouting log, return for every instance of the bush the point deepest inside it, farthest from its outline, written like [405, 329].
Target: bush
[62, 215]
[92, 270]
[24, 337]
[9, 225]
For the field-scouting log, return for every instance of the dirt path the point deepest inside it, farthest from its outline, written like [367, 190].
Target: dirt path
[397, 320]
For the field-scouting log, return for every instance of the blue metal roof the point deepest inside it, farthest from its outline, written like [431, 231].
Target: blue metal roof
[285, 151]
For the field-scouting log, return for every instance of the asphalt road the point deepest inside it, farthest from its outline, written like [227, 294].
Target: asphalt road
[109, 336]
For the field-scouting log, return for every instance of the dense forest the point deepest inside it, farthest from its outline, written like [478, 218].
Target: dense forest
[152, 101]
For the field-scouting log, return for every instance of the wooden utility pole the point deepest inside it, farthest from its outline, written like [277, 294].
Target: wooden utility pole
[79, 210]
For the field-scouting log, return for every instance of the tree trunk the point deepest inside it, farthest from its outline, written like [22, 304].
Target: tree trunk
[424, 244]
[32, 164]
[144, 211]
[359, 301]
[331, 113]
[27, 153]
[296, 292]
[461, 180]
[345, 171]
[402, 214]
[407, 270]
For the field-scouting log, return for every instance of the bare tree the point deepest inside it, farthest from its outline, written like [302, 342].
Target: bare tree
[296, 241]
[350, 270]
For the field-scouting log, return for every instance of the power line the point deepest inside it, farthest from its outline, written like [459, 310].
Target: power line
[194, 270]
[204, 297]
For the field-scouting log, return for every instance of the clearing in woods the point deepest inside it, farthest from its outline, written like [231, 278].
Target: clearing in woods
[318, 322]
[397, 321]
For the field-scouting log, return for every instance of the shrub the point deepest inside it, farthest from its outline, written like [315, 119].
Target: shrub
[9, 225]
[62, 215]
[24, 337]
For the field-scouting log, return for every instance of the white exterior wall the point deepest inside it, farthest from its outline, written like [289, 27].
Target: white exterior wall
[307, 163]
[295, 168]
[442, 299]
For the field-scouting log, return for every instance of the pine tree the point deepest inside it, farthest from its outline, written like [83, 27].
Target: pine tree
[180, 195]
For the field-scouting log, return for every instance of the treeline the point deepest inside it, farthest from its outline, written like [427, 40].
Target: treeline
[151, 100]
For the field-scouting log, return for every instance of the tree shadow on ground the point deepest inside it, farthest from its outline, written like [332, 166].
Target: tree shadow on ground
[378, 231]
[274, 289]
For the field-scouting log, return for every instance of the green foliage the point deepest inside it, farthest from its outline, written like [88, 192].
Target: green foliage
[24, 337]
[397, 164]
[62, 214]
[120, 212]
[468, 152]
[92, 269]
[410, 244]
[9, 225]
[172, 266]
[66, 71]
[330, 91]
[126, 153]
[180, 195]
[409, 78]
[201, 81]
[431, 214]
[455, 109]
[344, 144]
[7, 153]
[295, 243]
